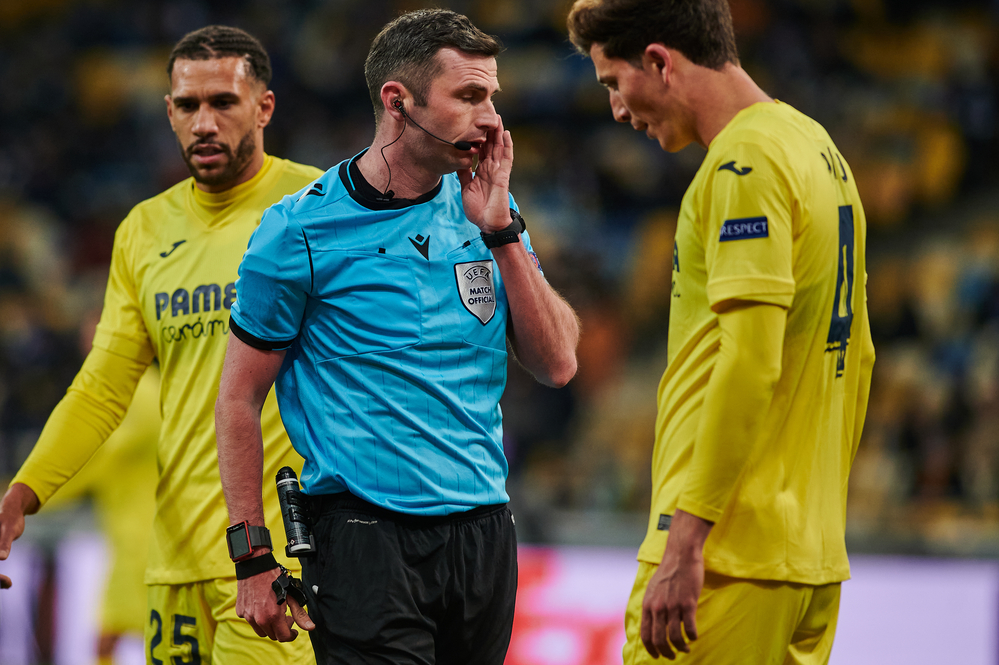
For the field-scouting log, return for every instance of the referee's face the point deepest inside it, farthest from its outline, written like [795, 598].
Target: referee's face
[460, 107]
[218, 112]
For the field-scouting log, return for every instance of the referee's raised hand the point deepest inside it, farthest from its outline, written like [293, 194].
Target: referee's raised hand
[486, 194]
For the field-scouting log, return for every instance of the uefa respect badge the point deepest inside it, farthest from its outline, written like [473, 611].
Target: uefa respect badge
[475, 287]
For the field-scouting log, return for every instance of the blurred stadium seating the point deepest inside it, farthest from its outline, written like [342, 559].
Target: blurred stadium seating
[908, 89]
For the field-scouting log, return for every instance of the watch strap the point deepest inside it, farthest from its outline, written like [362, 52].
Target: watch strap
[258, 564]
[508, 235]
[260, 536]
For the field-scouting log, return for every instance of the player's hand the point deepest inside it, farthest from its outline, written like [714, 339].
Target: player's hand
[5, 582]
[20, 500]
[256, 602]
[669, 608]
[486, 195]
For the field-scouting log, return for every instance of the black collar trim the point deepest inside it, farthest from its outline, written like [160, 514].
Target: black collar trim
[365, 194]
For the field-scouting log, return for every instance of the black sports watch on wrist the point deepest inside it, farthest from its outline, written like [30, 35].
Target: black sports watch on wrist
[243, 539]
[508, 235]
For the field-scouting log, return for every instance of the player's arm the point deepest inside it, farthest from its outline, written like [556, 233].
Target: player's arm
[92, 409]
[737, 398]
[543, 331]
[864, 384]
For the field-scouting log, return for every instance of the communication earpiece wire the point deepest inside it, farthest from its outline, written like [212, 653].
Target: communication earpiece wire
[404, 125]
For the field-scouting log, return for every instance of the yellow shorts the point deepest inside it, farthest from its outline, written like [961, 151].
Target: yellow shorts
[197, 623]
[746, 622]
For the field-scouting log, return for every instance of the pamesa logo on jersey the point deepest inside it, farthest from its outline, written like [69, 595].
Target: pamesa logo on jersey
[475, 286]
[205, 298]
[187, 315]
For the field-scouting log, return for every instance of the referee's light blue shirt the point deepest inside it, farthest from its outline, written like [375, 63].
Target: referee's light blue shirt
[394, 317]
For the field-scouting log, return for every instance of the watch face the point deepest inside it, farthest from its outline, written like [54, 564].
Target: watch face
[239, 541]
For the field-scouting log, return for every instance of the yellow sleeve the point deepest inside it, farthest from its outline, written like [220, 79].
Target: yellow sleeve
[748, 230]
[864, 384]
[100, 394]
[93, 407]
[122, 330]
[735, 404]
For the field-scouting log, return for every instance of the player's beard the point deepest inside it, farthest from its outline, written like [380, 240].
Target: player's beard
[233, 167]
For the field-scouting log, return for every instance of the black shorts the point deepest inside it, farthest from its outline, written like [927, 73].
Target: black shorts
[398, 589]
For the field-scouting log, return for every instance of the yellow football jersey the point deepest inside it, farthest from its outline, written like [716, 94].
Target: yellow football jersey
[172, 282]
[121, 479]
[772, 216]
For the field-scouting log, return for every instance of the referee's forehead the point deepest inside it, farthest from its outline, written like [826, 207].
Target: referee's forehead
[461, 70]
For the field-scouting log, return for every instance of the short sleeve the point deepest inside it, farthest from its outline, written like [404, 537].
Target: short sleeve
[275, 279]
[122, 330]
[748, 228]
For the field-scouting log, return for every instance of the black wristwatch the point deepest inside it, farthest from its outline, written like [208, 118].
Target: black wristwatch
[243, 539]
[508, 235]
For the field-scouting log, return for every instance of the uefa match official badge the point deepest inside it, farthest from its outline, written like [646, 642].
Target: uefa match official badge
[475, 286]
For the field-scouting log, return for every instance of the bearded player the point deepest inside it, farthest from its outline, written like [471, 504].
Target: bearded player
[172, 282]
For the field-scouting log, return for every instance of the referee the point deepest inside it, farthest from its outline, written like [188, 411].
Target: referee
[381, 301]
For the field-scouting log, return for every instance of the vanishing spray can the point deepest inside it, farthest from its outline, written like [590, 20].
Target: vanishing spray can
[295, 514]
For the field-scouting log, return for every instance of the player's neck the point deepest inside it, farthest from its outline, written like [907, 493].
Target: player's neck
[718, 96]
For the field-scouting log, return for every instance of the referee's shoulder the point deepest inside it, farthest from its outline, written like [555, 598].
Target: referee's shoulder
[315, 197]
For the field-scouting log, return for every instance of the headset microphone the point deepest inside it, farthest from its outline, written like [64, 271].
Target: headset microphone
[460, 145]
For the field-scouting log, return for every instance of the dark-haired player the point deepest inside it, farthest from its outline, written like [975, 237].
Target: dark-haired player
[382, 301]
[770, 354]
[171, 285]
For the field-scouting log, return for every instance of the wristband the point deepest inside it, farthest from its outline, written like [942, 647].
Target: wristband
[255, 566]
[508, 235]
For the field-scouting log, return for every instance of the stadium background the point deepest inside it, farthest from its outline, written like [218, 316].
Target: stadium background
[908, 89]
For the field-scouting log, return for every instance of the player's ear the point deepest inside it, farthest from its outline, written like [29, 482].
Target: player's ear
[660, 60]
[169, 104]
[265, 108]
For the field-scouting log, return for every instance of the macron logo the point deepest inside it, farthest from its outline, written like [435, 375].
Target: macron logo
[742, 229]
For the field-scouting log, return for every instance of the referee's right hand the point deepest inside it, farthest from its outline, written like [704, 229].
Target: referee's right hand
[256, 602]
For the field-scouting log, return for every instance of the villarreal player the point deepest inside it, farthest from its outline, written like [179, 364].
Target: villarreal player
[172, 282]
[763, 400]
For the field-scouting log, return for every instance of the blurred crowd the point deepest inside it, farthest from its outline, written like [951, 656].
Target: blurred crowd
[908, 90]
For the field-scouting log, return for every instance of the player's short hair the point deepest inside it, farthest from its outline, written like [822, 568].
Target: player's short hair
[223, 41]
[700, 29]
[406, 51]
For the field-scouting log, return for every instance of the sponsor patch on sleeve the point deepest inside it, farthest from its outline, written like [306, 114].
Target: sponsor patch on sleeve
[745, 228]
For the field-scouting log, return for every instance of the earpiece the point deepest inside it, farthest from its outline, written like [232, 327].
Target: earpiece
[460, 145]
